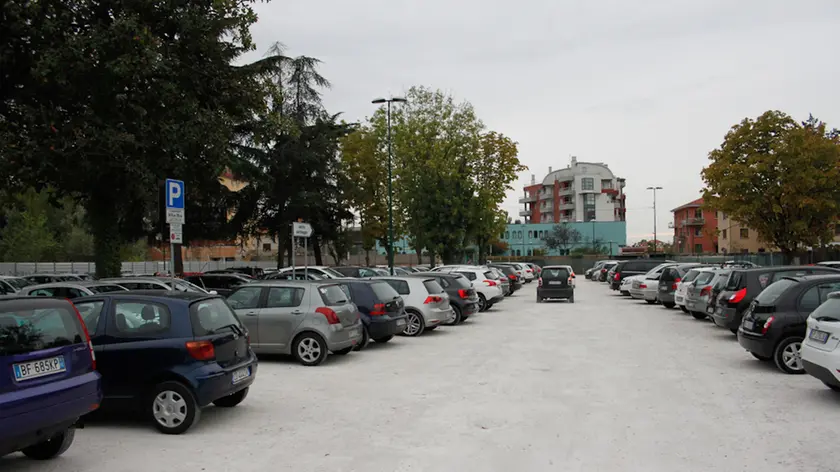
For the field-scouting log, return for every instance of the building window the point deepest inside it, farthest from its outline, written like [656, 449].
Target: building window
[723, 216]
[518, 252]
[698, 232]
[507, 234]
[520, 235]
[698, 213]
[530, 234]
[745, 233]
[606, 184]
[723, 233]
[589, 199]
[541, 235]
[267, 247]
[587, 183]
[698, 248]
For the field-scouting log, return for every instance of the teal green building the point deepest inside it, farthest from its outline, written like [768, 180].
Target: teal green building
[523, 239]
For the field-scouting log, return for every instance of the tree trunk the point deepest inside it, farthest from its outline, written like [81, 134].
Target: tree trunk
[316, 248]
[431, 258]
[104, 218]
[367, 257]
[482, 253]
[290, 249]
[419, 256]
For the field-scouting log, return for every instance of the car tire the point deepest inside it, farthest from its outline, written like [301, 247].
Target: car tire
[232, 400]
[365, 339]
[669, 305]
[383, 339]
[167, 397]
[539, 299]
[458, 316]
[415, 324]
[52, 447]
[684, 309]
[787, 355]
[343, 352]
[309, 349]
[650, 302]
[698, 316]
[482, 303]
[759, 356]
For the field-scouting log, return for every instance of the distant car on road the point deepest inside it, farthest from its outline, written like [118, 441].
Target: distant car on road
[71, 290]
[12, 285]
[555, 282]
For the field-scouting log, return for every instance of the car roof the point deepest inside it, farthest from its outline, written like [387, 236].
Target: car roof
[435, 274]
[817, 277]
[67, 284]
[270, 282]
[756, 270]
[176, 295]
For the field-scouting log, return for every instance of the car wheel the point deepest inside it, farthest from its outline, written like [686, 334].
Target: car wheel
[833, 387]
[650, 302]
[669, 305]
[231, 401]
[365, 339]
[343, 352]
[787, 356]
[482, 303]
[52, 447]
[684, 309]
[414, 324]
[759, 356]
[698, 316]
[572, 299]
[383, 339]
[309, 349]
[173, 408]
[457, 311]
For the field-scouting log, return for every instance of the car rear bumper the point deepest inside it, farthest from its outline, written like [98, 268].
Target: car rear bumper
[436, 316]
[344, 336]
[726, 317]
[821, 364]
[681, 299]
[387, 326]
[665, 297]
[761, 345]
[650, 294]
[555, 292]
[214, 381]
[695, 304]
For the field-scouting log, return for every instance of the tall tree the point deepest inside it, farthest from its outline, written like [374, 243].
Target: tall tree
[778, 177]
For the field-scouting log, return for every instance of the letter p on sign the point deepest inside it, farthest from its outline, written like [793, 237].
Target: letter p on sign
[174, 194]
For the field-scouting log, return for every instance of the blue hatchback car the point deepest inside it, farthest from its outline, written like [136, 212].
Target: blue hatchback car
[169, 353]
[48, 377]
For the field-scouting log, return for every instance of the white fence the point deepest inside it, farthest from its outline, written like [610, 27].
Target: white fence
[137, 268]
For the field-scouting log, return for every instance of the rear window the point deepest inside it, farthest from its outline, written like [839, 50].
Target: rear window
[703, 278]
[491, 275]
[555, 273]
[720, 280]
[828, 311]
[212, 316]
[383, 291]
[332, 295]
[432, 286]
[734, 280]
[691, 275]
[25, 329]
[772, 293]
[460, 282]
[346, 271]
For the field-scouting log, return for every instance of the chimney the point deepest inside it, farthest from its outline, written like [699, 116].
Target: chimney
[549, 169]
[533, 179]
[574, 160]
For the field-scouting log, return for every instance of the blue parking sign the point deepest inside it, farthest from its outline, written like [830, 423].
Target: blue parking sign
[174, 194]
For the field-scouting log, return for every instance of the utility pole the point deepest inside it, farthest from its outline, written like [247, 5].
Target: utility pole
[390, 247]
[655, 249]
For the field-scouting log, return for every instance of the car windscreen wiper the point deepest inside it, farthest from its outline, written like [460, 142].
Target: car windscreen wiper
[232, 326]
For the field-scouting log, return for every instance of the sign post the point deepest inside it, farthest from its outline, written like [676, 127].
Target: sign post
[301, 230]
[174, 216]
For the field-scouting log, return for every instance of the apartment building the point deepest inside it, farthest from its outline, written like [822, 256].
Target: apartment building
[581, 192]
[695, 229]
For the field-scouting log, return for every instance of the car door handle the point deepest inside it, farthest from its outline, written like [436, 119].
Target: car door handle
[251, 313]
[297, 312]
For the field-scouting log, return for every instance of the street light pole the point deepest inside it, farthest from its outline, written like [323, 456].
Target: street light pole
[654, 217]
[390, 186]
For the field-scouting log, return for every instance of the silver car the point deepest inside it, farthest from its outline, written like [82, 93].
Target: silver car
[11, 285]
[426, 303]
[156, 283]
[306, 319]
[70, 289]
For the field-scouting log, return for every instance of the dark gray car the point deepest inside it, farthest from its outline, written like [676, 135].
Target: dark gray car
[668, 283]
[555, 282]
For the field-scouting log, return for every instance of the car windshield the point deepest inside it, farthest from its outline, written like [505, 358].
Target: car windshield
[383, 291]
[489, 274]
[460, 282]
[211, 316]
[734, 280]
[24, 329]
[691, 275]
[769, 295]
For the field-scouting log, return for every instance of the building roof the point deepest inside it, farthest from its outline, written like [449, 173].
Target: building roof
[693, 204]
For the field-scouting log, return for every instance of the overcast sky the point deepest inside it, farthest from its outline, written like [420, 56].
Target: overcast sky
[647, 86]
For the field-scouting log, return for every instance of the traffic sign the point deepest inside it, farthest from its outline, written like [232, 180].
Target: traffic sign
[301, 230]
[176, 234]
[174, 194]
[175, 216]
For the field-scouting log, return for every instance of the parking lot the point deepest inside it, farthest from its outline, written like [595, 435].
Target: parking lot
[606, 383]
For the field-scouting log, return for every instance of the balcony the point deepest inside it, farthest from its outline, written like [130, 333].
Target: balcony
[609, 191]
[528, 199]
[567, 205]
[547, 209]
[524, 212]
[567, 190]
[694, 222]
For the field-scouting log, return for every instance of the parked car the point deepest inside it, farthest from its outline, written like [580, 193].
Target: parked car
[485, 282]
[220, 282]
[502, 280]
[739, 265]
[520, 269]
[591, 273]
[50, 278]
[356, 271]
[832, 264]
[671, 276]
[630, 268]
[289, 275]
[718, 283]
[537, 269]
[603, 275]
[253, 272]
[743, 285]
[462, 296]
[627, 283]
[820, 351]
[382, 309]
[170, 353]
[426, 303]
[555, 282]
[323, 271]
[48, 377]
[12, 285]
[644, 287]
[70, 290]
[681, 294]
[698, 291]
[514, 280]
[775, 323]
[302, 318]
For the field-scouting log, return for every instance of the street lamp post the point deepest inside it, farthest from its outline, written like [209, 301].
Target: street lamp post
[654, 216]
[390, 189]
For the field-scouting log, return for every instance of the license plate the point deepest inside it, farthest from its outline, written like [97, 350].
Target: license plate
[719, 310]
[679, 299]
[710, 310]
[354, 333]
[401, 322]
[555, 282]
[39, 368]
[819, 336]
[749, 325]
[663, 289]
[241, 374]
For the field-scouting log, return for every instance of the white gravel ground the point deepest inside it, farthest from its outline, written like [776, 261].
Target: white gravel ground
[606, 384]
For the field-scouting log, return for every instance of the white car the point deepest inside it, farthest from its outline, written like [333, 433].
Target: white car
[820, 350]
[322, 271]
[681, 292]
[627, 284]
[485, 282]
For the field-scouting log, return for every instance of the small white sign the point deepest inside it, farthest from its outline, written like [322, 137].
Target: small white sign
[176, 234]
[175, 216]
[301, 230]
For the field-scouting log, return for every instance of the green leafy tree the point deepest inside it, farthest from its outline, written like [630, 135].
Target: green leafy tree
[561, 237]
[778, 177]
[26, 236]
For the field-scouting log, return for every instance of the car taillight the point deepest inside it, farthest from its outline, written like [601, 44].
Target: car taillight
[738, 296]
[512, 276]
[432, 299]
[539, 282]
[378, 309]
[617, 276]
[87, 335]
[767, 324]
[490, 283]
[332, 318]
[528, 270]
[463, 293]
[201, 350]
[642, 286]
[706, 290]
